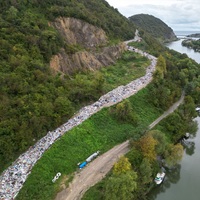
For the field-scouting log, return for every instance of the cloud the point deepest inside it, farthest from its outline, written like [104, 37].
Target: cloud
[178, 14]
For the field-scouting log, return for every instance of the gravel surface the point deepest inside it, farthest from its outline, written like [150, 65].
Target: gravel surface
[93, 173]
[97, 170]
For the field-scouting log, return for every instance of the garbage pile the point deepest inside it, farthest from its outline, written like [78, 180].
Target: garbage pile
[13, 178]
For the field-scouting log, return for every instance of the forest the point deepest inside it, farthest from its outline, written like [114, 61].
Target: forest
[132, 176]
[128, 120]
[154, 26]
[193, 44]
[33, 99]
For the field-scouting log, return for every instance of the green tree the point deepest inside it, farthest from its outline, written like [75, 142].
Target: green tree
[174, 154]
[145, 171]
[122, 166]
[121, 187]
[135, 157]
[189, 108]
[124, 112]
[161, 141]
[147, 145]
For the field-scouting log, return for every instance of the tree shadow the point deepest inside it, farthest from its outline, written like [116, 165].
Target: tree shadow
[189, 147]
[172, 177]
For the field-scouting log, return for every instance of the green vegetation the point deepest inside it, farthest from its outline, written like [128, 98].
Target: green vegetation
[28, 115]
[193, 44]
[174, 73]
[141, 165]
[121, 186]
[154, 26]
[131, 66]
[100, 132]
[149, 44]
[179, 122]
[142, 157]
[33, 100]
[98, 13]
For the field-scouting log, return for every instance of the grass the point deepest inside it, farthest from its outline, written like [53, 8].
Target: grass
[95, 191]
[100, 132]
[131, 66]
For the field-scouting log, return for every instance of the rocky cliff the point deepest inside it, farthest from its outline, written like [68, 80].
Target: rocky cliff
[94, 52]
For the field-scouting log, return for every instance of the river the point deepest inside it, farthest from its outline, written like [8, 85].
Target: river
[183, 182]
[190, 52]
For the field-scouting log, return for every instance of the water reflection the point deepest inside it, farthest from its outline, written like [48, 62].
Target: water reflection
[172, 177]
[190, 52]
[182, 182]
[189, 147]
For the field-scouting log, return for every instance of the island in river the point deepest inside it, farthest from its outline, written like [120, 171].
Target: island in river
[191, 43]
[195, 35]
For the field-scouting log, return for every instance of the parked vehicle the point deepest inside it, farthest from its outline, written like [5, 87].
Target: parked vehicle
[82, 165]
[91, 157]
[159, 178]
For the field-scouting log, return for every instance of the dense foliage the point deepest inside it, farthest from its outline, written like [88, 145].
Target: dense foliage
[154, 26]
[175, 73]
[33, 100]
[98, 13]
[193, 44]
[30, 114]
[101, 132]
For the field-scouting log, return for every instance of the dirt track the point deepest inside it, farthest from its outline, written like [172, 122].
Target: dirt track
[93, 173]
[169, 111]
[97, 169]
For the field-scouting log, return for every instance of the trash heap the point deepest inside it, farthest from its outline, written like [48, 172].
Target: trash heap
[13, 178]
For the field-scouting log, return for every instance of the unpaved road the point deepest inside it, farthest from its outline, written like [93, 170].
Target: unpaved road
[169, 111]
[97, 169]
[93, 173]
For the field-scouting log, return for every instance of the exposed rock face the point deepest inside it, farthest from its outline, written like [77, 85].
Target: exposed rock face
[77, 32]
[85, 60]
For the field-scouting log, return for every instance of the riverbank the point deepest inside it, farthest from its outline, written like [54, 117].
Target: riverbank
[14, 177]
[98, 169]
[182, 183]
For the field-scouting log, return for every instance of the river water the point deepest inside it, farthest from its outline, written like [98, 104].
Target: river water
[190, 52]
[183, 183]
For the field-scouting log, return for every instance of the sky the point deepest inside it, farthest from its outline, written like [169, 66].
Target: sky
[180, 15]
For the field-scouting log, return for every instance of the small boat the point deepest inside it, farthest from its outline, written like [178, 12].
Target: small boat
[159, 178]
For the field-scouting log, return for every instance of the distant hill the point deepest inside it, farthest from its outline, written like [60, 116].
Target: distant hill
[154, 26]
[196, 35]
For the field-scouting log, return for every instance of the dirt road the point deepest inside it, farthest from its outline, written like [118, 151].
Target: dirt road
[169, 111]
[97, 169]
[93, 173]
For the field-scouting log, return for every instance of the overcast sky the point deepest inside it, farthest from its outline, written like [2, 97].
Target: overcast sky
[178, 14]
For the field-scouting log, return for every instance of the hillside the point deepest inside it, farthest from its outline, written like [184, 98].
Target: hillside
[53, 54]
[35, 99]
[154, 26]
